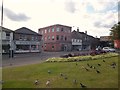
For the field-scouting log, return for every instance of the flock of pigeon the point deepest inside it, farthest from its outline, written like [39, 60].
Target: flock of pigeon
[88, 68]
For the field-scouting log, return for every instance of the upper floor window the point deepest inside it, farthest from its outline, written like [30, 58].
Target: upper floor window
[62, 37]
[57, 37]
[45, 38]
[65, 38]
[20, 37]
[32, 38]
[7, 34]
[57, 29]
[36, 38]
[45, 31]
[62, 29]
[52, 29]
[48, 37]
[49, 30]
[53, 37]
[42, 32]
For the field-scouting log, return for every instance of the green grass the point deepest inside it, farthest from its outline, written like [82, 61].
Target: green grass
[24, 76]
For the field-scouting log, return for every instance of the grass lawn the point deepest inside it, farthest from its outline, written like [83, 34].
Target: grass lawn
[24, 76]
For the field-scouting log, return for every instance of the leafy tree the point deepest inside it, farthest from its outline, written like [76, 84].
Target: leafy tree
[115, 31]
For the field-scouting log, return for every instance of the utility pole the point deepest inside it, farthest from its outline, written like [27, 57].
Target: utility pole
[1, 46]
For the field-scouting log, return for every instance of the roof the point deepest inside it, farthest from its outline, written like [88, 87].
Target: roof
[55, 25]
[25, 30]
[6, 29]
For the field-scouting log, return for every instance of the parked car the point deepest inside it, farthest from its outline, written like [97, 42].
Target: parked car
[108, 49]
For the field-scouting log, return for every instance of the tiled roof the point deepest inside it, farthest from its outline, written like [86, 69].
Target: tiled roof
[55, 25]
[25, 30]
[6, 29]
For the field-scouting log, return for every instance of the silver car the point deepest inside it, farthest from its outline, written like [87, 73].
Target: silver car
[108, 49]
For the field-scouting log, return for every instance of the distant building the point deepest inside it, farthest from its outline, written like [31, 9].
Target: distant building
[7, 40]
[27, 40]
[83, 41]
[56, 37]
[105, 41]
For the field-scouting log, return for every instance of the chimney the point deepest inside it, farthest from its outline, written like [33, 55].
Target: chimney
[77, 29]
[85, 32]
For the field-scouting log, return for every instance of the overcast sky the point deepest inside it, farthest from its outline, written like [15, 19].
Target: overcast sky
[95, 16]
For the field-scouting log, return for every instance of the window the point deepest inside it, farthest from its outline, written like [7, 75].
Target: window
[52, 37]
[41, 32]
[48, 37]
[36, 38]
[78, 40]
[32, 38]
[62, 29]
[7, 34]
[45, 38]
[57, 29]
[52, 46]
[25, 38]
[48, 30]
[57, 37]
[20, 37]
[62, 37]
[74, 40]
[45, 46]
[52, 29]
[65, 38]
[45, 31]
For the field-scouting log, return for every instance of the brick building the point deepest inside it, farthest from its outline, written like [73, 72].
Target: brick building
[56, 37]
[27, 40]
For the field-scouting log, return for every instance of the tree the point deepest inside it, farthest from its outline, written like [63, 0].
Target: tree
[115, 31]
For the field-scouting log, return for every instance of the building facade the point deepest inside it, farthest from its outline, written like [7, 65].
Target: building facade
[56, 37]
[7, 40]
[83, 41]
[27, 40]
[105, 41]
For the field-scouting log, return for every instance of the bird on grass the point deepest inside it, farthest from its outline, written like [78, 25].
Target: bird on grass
[91, 66]
[49, 71]
[97, 71]
[86, 69]
[61, 74]
[65, 78]
[48, 83]
[99, 64]
[103, 60]
[82, 85]
[36, 82]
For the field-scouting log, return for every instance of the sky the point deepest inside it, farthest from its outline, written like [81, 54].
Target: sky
[94, 16]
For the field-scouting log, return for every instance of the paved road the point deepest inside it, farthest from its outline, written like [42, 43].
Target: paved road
[29, 58]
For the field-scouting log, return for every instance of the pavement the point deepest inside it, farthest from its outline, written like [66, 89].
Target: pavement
[29, 58]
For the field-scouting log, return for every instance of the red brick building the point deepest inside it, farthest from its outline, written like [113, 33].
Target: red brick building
[56, 37]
